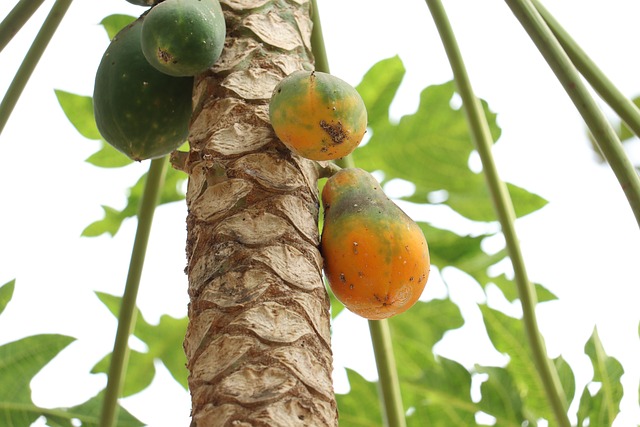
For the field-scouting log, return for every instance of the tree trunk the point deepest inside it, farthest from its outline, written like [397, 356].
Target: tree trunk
[258, 341]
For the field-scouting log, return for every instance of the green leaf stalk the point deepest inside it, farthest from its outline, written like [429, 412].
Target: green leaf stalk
[128, 311]
[379, 329]
[49, 27]
[505, 212]
[601, 130]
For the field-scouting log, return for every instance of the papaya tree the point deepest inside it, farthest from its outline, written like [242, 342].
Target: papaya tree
[257, 338]
[258, 343]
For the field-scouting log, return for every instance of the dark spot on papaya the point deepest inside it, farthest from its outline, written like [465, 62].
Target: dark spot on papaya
[335, 131]
[351, 286]
[165, 56]
[342, 278]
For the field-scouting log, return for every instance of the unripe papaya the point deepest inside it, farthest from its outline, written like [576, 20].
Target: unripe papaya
[183, 37]
[139, 110]
[376, 258]
[317, 115]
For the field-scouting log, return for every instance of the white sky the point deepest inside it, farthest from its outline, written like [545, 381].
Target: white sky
[584, 245]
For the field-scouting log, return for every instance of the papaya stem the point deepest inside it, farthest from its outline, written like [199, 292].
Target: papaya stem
[16, 18]
[327, 170]
[31, 59]
[505, 212]
[378, 329]
[387, 373]
[128, 311]
[601, 130]
[317, 41]
[622, 105]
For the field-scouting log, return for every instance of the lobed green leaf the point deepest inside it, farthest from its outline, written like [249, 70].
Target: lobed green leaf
[88, 413]
[501, 398]
[506, 334]
[108, 157]
[361, 406]
[602, 407]
[79, 111]
[114, 23]
[113, 218]
[140, 371]
[20, 361]
[6, 293]
[164, 342]
[430, 148]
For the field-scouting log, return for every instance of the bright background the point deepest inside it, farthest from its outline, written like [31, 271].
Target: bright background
[584, 245]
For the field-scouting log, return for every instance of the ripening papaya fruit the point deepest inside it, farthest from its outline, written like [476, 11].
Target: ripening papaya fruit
[139, 110]
[317, 115]
[183, 37]
[376, 258]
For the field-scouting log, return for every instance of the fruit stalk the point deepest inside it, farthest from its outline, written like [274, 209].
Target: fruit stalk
[258, 339]
[505, 212]
[49, 27]
[127, 316]
[601, 130]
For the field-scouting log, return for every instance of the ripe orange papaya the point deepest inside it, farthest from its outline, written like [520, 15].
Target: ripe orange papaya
[139, 110]
[376, 258]
[183, 37]
[317, 115]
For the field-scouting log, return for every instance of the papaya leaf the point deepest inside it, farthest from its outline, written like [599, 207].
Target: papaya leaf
[20, 361]
[441, 397]
[501, 398]
[171, 192]
[140, 371]
[79, 111]
[108, 157]
[435, 388]
[506, 334]
[379, 86]
[88, 413]
[361, 406]
[510, 291]
[6, 293]
[437, 141]
[114, 23]
[164, 341]
[567, 379]
[601, 408]
[419, 329]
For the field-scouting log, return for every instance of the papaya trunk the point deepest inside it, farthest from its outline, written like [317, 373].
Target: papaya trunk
[258, 340]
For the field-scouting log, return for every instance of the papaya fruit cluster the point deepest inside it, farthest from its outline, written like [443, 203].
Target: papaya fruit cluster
[144, 82]
[376, 258]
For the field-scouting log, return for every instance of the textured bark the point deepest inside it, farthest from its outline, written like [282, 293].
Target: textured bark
[258, 341]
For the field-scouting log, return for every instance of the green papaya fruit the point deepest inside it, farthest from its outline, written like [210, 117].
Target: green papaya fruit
[183, 37]
[140, 111]
[376, 258]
